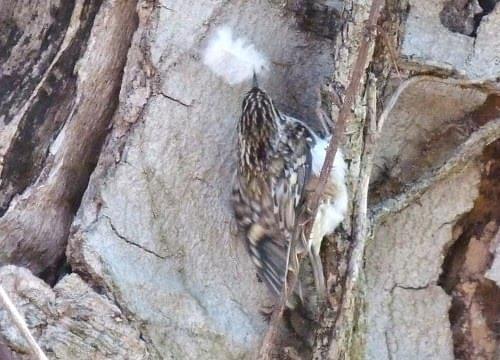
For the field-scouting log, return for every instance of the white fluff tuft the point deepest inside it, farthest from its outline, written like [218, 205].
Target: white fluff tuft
[233, 59]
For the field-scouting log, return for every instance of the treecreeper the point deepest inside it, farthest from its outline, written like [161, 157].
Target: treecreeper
[279, 163]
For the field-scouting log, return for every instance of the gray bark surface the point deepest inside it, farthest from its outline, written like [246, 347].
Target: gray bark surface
[117, 155]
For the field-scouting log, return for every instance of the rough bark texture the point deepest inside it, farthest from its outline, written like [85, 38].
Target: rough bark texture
[117, 153]
[51, 143]
[68, 319]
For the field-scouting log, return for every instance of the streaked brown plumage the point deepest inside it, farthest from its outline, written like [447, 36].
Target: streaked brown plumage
[278, 160]
[274, 165]
[279, 163]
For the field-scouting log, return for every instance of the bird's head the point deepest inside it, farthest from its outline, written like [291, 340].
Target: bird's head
[258, 127]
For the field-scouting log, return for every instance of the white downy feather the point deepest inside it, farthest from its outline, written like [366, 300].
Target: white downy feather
[234, 60]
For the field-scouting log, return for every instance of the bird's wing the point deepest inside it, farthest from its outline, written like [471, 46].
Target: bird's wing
[267, 246]
[266, 209]
[288, 187]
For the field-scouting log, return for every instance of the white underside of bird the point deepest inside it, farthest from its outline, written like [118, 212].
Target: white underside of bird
[333, 204]
[331, 211]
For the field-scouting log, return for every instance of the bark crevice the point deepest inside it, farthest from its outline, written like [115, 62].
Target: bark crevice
[48, 109]
[56, 138]
[475, 309]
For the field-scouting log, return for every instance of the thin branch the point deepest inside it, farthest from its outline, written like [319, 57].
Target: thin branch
[470, 149]
[338, 137]
[345, 314]
[19, 322]
[269, 341]
[351, 94]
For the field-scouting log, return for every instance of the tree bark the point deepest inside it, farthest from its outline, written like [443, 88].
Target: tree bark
[117, 152]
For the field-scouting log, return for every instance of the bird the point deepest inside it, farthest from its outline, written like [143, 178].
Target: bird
[279, 159]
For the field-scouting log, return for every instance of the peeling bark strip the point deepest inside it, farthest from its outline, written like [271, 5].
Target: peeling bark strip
[46, 111]
[55, 136]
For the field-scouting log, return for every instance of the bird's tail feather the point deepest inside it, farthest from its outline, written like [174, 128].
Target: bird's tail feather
[235, 60]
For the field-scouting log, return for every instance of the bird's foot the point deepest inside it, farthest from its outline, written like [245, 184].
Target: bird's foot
[267, 311]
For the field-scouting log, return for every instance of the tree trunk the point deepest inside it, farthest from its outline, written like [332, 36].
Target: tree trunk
[117, 153]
